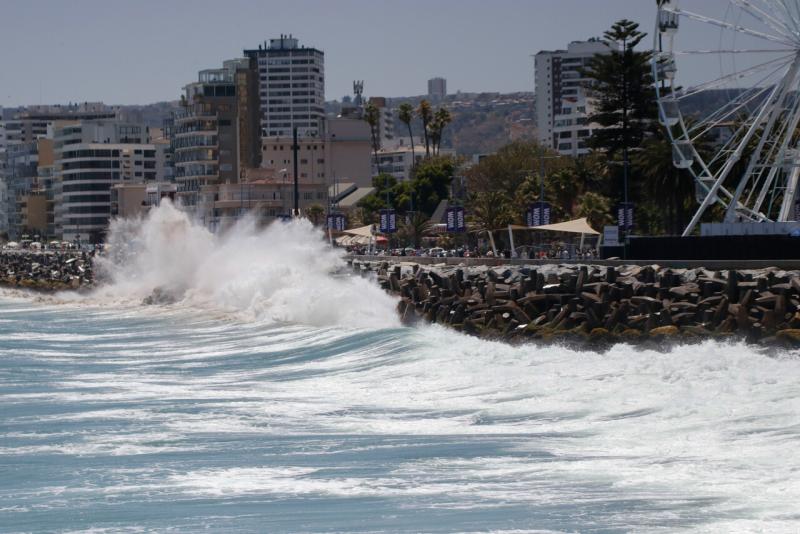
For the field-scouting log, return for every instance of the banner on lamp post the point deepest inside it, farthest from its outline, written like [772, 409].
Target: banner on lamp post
[388, 221]
[625, 216]
[538, 214]
[337, 222]
[455, 219]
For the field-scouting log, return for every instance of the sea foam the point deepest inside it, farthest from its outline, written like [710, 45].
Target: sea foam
[285, 272]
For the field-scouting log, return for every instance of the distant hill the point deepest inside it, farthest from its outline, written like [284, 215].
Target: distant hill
[482, 122]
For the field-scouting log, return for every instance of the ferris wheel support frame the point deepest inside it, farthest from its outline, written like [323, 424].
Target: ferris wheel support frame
[775, 122]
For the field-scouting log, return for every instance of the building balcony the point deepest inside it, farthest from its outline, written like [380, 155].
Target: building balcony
[195, 111]
[187, 158]
[205, 142]
[196, 129]
[248, 203]
[198, 175]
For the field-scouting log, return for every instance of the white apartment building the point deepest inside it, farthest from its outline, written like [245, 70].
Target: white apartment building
[399, 160]
[35, 122]
[291, 85]
[563, 104]
[90, 157]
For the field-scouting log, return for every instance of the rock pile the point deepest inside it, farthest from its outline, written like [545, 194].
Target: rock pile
[598, 305]
[46, 270]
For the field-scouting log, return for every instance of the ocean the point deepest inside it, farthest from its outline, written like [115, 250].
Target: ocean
[270, 392]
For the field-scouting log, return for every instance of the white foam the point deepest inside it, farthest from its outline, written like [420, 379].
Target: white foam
[281, 273]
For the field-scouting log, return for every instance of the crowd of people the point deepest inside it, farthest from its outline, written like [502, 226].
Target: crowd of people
[553, 251]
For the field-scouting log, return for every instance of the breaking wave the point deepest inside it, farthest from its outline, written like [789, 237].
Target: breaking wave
[284, 272]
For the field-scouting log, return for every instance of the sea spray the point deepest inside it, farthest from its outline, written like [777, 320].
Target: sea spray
[285, 272]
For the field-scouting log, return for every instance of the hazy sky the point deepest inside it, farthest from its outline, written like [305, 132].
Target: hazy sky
[142, 51]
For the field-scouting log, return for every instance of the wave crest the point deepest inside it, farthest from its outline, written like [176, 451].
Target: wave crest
[285, 272]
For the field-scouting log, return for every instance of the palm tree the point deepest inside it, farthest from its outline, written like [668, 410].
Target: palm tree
[526, 194]
[672, 188]
[406, 115]
[490, 210]
[562, 189]
[416, 227]
[441, 119]
[425, 112]
[314, 212]
[596, 208]
[372, 116]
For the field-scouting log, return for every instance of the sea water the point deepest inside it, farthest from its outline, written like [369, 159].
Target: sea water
[265, 392]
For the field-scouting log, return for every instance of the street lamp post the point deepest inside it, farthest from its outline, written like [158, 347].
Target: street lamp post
[295, 148]
[542, 160]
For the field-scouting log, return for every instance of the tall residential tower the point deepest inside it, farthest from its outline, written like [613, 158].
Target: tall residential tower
[563, 103]
[291, 84]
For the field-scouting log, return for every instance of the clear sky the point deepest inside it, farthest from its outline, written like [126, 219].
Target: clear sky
[143, 51]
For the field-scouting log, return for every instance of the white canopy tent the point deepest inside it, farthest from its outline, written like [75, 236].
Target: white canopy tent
[364, 235]
[577, 226]
[363, 231]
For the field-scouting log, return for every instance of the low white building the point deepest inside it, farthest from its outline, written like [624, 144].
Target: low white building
[399, 161]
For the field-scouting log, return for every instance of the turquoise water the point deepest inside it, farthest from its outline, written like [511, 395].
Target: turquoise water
[124, 418]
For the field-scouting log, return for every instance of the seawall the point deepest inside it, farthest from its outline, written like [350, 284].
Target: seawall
[46, 270]
[595, 304]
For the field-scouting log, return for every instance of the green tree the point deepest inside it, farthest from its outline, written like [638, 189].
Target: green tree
[622, 86]
[372, 116]
[315, 212]
[510, 166]
[441, 119]
[414, 228]
[526, 194]
[490, 210]
[384, 185]
[625, 105]
[425, 112]
[596, 208]
[406, 115]
[562, 190]
[431, 182]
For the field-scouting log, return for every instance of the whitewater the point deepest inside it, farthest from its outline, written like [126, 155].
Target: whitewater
[265, 390]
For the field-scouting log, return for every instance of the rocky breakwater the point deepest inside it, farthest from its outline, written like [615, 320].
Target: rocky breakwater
[46, 270]
[598, 306]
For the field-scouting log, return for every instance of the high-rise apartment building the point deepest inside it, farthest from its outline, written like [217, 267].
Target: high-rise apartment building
[563, 102]
[90, 157]
[437, 89]
[291, 87]
[215, 136]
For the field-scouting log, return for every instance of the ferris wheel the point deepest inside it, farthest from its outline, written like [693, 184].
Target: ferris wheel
[727, 78]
